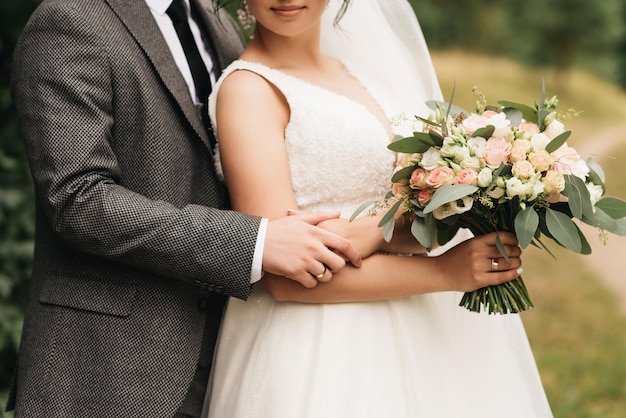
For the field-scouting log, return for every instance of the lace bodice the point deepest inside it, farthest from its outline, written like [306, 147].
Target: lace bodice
[337, 148]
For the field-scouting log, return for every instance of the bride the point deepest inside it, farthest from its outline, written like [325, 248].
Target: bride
[303, 123]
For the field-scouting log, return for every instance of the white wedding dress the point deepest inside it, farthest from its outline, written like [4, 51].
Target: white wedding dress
[421, 356]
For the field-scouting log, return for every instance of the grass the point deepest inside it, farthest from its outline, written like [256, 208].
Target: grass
[576, 328]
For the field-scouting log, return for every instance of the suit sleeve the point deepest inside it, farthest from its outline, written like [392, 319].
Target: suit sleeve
[63, 90]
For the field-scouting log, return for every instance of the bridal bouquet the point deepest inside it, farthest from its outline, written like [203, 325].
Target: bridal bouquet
[500, 168]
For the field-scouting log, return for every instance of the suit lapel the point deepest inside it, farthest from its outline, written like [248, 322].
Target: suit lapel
[137, 18]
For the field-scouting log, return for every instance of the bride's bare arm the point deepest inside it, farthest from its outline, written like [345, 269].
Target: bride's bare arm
[251, 119]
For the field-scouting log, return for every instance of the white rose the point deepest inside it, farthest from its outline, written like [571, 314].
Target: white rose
[554, 129]
[477, 145]
[515, 187]
[449, 147]
[539, 141]
[471, 162]
[431, 159]
[462, 205]
[568, 161]
[537, 189]
[485, 177]
[443, 212]
[595, 192]
[501, 123]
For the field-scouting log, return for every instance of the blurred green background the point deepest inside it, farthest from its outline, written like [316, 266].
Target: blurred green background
[505, 48]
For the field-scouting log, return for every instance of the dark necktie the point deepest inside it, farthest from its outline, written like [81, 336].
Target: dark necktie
[201, 79]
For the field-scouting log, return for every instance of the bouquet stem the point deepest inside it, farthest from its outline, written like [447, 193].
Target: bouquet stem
[510, 297]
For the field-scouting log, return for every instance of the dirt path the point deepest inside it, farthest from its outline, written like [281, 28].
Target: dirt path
[607, 261]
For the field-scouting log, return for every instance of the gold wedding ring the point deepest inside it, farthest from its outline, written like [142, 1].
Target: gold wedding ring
[322, 274]
[494, 264]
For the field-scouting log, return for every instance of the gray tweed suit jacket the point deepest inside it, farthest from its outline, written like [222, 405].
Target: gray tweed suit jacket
[130, 241]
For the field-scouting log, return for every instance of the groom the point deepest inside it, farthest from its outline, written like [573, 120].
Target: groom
[134, 259]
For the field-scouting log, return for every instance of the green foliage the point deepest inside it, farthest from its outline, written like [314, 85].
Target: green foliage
[558, 33]
[16, 201]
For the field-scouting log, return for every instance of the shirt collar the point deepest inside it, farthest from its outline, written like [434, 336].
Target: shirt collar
[160, 6]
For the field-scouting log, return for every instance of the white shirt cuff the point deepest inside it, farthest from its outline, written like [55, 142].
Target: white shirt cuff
[257, 260]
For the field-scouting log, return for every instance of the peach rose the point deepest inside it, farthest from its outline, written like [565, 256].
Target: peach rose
[424, 196]
[440, 176]
[541, 160]
[497, 151]
[418, 179]
[553, 182]
[467, 176]
[523, 169]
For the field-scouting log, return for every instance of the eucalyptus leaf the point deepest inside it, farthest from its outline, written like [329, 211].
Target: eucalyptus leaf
[501, 249]
[361, 208]
[436, 137]
[408, 145]
[528, 112]
[445, 232]
[556, 143]
[425, 138]
[526, 225]
[596, 174]
[563, 230]
[390, 215]
[447, 194]
[602, 220]
[388, 229]
[578, 198]
[541, 116]
[513, 115]
[424, 233]
[403, 173]
[615, 208]
[586, 248]
[485, 132]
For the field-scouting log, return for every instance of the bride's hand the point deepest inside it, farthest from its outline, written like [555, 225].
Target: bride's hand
[477, 263]
[367, 236]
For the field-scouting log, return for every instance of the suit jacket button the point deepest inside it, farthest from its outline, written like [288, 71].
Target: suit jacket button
[197, 283]
[203, 304]
[211, 287]
[219, 289]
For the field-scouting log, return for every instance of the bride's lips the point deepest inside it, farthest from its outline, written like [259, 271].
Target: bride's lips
[287, 11]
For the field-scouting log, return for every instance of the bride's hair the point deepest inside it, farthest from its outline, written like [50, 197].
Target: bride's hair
[342, 10]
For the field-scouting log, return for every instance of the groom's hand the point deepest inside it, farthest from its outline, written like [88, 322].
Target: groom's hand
[295, 247]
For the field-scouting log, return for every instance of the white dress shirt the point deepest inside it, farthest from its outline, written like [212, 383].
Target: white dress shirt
[158, 9]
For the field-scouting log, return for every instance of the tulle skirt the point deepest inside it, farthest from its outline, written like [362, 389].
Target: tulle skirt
[421, 356]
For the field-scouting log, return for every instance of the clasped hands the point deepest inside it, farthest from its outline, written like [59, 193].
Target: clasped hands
[309, 247]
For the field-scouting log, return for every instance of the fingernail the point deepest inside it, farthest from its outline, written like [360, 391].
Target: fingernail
[520, 271]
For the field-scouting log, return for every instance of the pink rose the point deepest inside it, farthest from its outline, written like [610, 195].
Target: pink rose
[523, 169]
[440, 176]
[497, 151]
[424, 196]
[520, 149]
[529, 129]
[474, 122]
[418, 179]
[467, 176]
